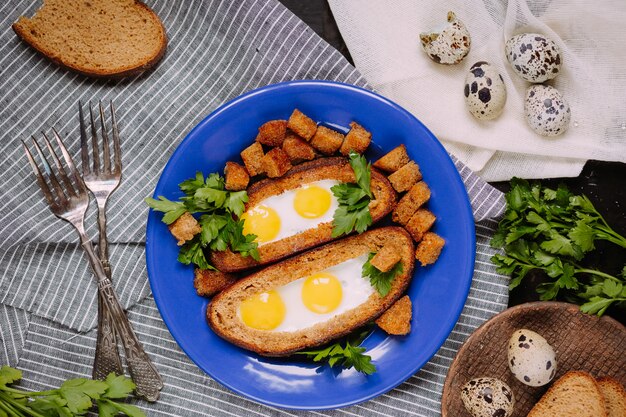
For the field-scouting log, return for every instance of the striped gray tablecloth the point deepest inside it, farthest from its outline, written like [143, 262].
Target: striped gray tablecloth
[217, 50]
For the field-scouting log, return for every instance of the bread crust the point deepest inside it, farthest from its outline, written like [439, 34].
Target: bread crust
[222, 311]
[324, 168]
[583, 383]
[23, 34]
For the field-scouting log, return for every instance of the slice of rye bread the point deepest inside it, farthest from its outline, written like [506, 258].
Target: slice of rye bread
[97, 38]
[222, 311]
[575, 394]
[337, 168]
[614, 396]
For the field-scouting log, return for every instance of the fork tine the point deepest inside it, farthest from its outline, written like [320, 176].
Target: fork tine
[68, 159]
[106, 155]
[48, 173]
[84, 146]
[116, 142]
[66, 181]
[42, 183]
[94, 142]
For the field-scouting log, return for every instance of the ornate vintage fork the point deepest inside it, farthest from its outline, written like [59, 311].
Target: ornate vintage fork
[68, 199]
[102, 181]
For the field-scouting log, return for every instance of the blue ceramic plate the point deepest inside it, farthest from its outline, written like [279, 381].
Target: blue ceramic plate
[438, 292]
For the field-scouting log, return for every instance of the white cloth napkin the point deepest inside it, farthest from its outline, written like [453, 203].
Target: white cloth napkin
[383, 38]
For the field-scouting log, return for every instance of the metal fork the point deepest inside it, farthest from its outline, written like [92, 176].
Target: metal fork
[68, 199]
[102, 182]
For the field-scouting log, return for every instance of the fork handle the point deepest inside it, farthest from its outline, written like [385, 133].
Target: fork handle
[143, 373]
[107, 358]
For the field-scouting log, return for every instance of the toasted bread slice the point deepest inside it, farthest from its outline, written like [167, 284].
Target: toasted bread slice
[397, 319]
[97, 38]
[222, 313]
[337, 168]
[614, 396]
[575, 394]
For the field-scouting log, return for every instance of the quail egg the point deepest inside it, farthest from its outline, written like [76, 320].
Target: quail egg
[488, 397]
[485, 92]
[531, 358]
[534, 57]
[450, 45]
[547, 112]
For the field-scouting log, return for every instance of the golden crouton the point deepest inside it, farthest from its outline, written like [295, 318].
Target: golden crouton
[397, 319]
[394, 160]
[297, 149]
[302, 125]
[208, 282]
[405, 177]
[417, 196]
[272, 133]
[385, 258]
[429, 248]
[185, 228]
[275, 163]
[252, 157]
[326, 140]
[357, 139]
[237, 177]
[420, 223]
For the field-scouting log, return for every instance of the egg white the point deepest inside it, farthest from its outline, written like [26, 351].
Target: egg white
[291, 223]
[355, 289]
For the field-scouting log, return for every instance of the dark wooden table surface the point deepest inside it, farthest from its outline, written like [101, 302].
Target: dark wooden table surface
[603, 182]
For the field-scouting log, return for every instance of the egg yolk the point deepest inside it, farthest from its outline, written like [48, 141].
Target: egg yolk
[311, 202]
[321, 293]
[264, 311]
[261, 221]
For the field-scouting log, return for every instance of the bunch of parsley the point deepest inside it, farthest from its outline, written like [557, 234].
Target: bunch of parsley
[353, 212]
[219, 208]
[349, 356]
[75, 397]
[552, 230]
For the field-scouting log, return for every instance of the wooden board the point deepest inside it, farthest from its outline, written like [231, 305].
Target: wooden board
[581, 342]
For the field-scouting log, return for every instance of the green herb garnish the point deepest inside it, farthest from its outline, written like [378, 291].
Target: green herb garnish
[73, 398]
[349, 356]
[380, 280]
[552, 230]
[220, 230]
[353, 212]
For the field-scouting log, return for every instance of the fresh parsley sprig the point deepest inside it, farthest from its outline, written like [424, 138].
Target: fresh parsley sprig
[73, 398]
[380, 280]
[552, 230]
[353, 212]
[349, 356]
[219, 207]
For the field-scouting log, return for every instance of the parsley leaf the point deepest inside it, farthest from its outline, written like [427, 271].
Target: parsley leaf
[80, 392]
[172, 209]
[380, 280]
[9, 375]
[118, 386]
[349, 356]
[108, 408]
[353, 213]
[192, 253]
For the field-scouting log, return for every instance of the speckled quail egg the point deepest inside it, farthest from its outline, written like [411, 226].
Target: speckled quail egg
[488, 397]
[547, 112]
[450, 45]
[534, 57]
[485, 92]
[531, 358]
